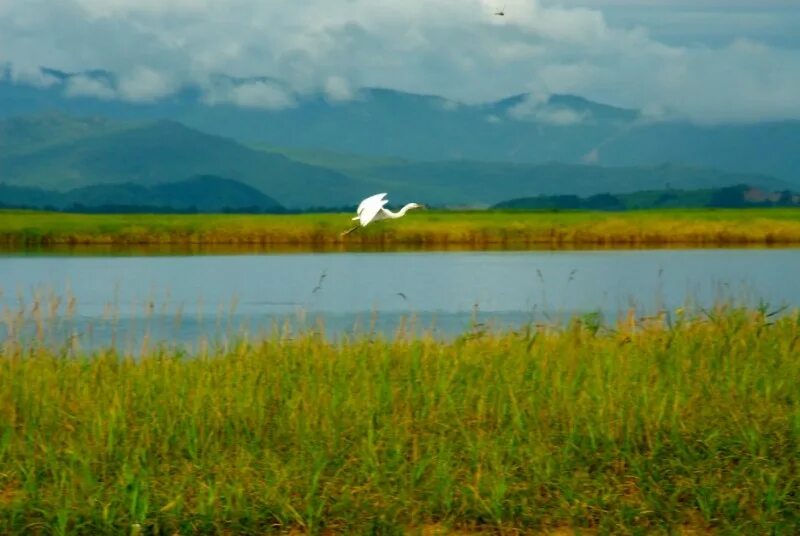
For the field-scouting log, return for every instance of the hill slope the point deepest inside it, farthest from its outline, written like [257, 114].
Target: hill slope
[150, 154]
[520, 129]
[161, 152]
[205, 193]
[465, 182]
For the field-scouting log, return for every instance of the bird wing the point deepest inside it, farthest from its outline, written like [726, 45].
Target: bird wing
[377, 198]
[369, 207]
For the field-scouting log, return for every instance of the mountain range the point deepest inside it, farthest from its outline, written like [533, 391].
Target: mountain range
[85, 156]
[524, 128]
[205, 193]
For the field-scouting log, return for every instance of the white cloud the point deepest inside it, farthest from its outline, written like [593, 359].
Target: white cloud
[144, 84]
[544, 113]
[592, 157]
[258, 94]
[720, 4]
[743, 82]
[85, 86]
[337, 89]
[32, 77]
[562, 117]
[449, 105]
[536, 108]
[454, 48]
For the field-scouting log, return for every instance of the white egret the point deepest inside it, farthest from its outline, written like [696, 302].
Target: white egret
[373, 209]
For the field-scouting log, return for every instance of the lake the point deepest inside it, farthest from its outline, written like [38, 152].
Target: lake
[186, 297]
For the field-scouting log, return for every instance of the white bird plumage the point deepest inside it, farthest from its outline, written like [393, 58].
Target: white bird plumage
[373, 209]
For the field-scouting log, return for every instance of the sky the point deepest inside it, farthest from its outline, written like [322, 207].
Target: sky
[704, 60]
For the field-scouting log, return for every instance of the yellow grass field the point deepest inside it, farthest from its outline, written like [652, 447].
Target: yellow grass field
[479, 229]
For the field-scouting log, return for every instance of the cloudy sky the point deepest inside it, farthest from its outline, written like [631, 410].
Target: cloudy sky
[708, 60]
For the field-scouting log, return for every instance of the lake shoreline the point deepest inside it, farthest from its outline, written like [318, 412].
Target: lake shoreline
[425, 230]
[183, 249]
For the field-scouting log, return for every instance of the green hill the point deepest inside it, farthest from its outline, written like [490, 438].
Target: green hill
[84, 153]
[466, 182]
[28, 134]
[28, 197]
[205, 193]
[160, 152]
[738, 196]
[518, 129]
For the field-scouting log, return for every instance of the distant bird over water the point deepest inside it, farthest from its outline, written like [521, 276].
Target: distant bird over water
[372, 209]
[501, 12]
[322, 277]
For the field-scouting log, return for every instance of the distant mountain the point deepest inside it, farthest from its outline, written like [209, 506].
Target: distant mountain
[153, 153]
[464, 182]
[484, 183]
[27, 134]
[522, 129]
[28, 197]
[739, 196]
[205, 193]
[109, 160]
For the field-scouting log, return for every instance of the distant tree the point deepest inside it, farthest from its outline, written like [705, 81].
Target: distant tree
[604, 202]
[665, 198]
[729, 197]
[565, 202]
[786, 199]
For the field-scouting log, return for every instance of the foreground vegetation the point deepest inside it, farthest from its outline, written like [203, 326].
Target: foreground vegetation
[659, 426]
[701, 227]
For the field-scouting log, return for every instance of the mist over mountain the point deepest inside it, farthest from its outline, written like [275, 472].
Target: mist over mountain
[525, 128]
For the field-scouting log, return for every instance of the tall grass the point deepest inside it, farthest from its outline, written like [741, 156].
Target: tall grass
[424, 228]
[670, 424]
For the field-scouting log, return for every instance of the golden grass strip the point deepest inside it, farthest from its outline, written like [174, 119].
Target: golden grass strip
[424, 229]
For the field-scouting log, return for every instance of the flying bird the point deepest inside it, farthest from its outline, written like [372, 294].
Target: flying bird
[373, 209]
[501, 12]
[319, 285]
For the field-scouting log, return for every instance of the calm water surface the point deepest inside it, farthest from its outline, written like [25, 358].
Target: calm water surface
[185, 297]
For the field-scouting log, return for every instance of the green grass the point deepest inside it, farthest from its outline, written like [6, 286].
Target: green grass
[665, 426]
[479, 229]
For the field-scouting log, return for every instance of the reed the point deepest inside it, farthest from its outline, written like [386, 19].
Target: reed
[676, 423]
[477, 229]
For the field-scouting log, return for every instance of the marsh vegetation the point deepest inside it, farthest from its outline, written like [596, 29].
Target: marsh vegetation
[476, 229]
[646, 425]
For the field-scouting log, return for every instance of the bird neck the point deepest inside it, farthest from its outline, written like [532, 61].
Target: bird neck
[400, 213]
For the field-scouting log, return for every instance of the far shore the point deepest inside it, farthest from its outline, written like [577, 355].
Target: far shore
[424, 229]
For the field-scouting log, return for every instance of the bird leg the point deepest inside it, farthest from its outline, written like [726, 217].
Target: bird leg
[350, 230]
